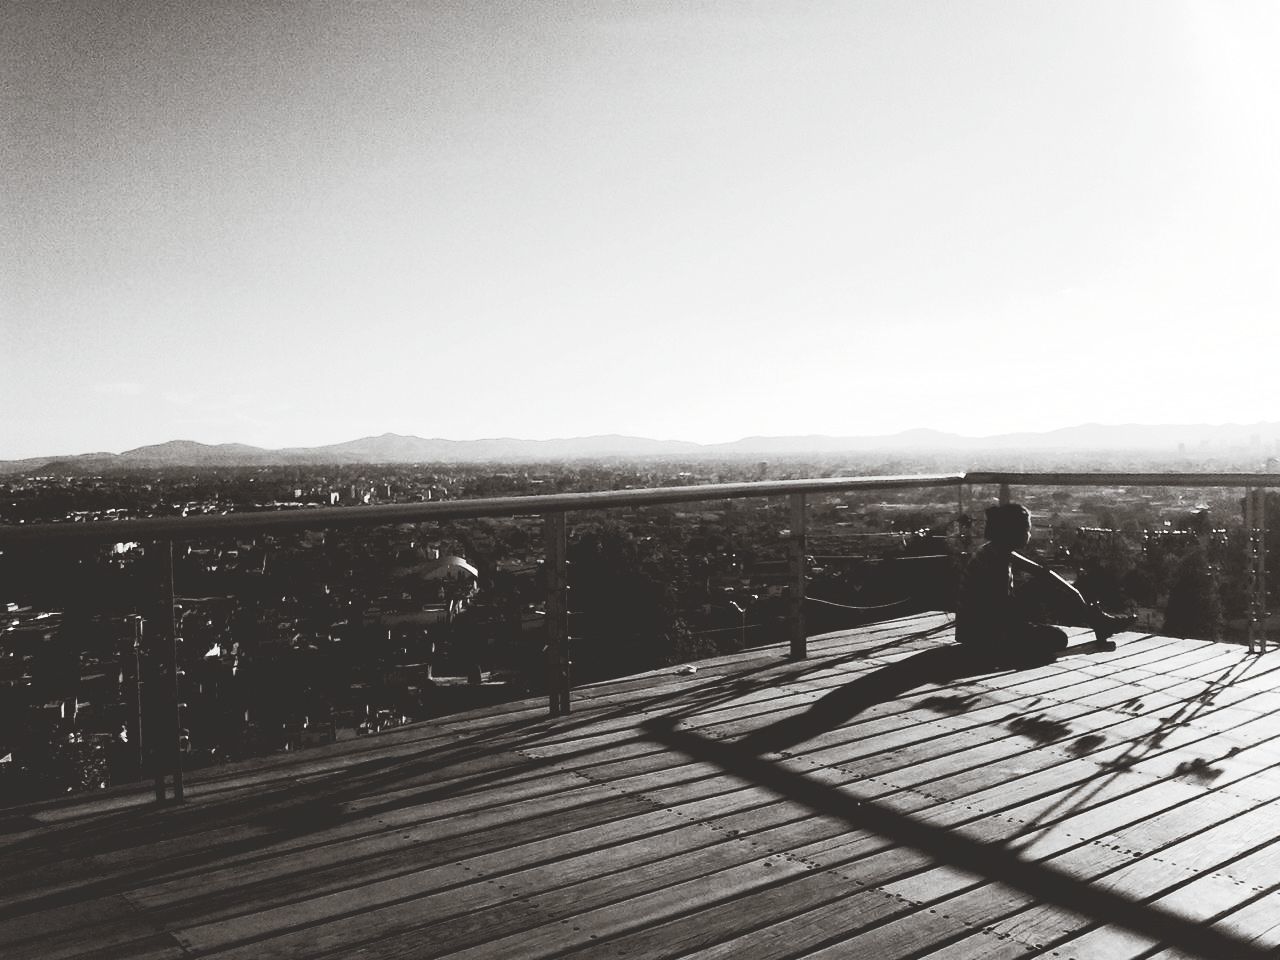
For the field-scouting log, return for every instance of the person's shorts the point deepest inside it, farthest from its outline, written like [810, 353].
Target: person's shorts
[1019, 637]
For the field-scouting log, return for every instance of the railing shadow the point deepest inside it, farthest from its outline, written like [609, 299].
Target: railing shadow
[287, 809]
[702, 695]
[1138, 749]
[1043, 882]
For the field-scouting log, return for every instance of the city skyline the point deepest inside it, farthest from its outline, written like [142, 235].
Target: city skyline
[1090, 439]
[291, 226]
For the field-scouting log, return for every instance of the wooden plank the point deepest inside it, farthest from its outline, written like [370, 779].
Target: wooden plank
[158, 834]
[1256, 921]
[769, 660]
[493, 864]
[844, 739]
[1096, 814]
[904, 936]
[1015, 904]
[635, 902]
[824, 680]
[588, 879]
[708, 809]
[103, 929]
[370, 855]
[337, 868]
[943, 768]
[761, 913]
[978, 945]
[1105, 866]
[1121, 757]
[820, 931]
[553, 937]
[890, 706]
[930, 757]
[352, 840]
[1143, 807]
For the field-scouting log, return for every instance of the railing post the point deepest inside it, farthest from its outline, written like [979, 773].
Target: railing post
[165, 699]
[1255, 521]
[154, 685]
[1262, 566]
[1004, 494]
[795, 621]
[172, 651]
[134, 724]
[1251, 559]
[151, 672]
[555, 532]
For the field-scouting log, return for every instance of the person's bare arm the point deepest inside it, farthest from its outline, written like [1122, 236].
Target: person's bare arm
[1027, 565]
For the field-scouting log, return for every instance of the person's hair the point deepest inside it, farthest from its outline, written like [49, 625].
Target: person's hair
[1006, 521]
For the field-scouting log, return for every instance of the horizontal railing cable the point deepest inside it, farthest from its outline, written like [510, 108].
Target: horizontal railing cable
[860, 608]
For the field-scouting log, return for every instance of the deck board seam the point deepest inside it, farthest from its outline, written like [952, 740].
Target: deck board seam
[1070, 756]
[1133, 749]
[267, 881]
[1258, 894]
[810, 692]
[1191, 875]
[931, 905]
[1209, 731]
[1188, 870]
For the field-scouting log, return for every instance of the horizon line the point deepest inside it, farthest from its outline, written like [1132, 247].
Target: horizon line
[650, 440]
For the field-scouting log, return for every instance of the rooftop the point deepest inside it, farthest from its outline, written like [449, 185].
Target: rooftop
[885, 797]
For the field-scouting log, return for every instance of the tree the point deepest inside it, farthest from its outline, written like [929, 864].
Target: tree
[625, 606]
[1194, 608]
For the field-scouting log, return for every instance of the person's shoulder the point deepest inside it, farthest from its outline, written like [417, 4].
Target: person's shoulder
[991, 553]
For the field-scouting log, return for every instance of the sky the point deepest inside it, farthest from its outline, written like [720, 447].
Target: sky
[290, 224]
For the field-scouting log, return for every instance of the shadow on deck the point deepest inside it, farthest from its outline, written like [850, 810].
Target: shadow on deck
[888, 796]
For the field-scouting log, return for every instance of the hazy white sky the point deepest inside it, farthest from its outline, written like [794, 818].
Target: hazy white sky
[298, 223]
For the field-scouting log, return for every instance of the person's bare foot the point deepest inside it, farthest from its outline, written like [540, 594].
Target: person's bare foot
[1106, 625]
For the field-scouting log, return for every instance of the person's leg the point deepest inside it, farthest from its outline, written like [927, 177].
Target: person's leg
[1074, 610]
[1037, 640]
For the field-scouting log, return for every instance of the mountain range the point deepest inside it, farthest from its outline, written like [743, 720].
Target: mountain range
[396, 448]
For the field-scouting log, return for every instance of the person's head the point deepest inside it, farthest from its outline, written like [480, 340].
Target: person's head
[1009, 525]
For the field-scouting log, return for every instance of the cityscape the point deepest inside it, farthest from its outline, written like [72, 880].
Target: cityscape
[292, 640]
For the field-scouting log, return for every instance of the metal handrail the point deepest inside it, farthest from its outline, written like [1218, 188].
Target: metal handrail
[1104, 479]
[208, 525]
[167, 528]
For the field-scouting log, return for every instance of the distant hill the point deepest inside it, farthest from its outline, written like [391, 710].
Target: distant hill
[183, 452]
[395, 448]
[1164, 439]
[1088, 437]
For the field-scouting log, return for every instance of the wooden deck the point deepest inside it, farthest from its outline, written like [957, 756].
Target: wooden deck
[885, 798]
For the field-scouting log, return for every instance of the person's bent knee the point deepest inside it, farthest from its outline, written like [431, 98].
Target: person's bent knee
[1047, 637]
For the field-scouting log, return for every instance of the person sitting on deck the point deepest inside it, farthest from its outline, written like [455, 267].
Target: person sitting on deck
[991, 616]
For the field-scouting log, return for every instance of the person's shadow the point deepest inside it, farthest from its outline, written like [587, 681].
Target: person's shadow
[935, 666]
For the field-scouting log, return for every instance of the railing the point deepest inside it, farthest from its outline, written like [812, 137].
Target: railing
[553, 508]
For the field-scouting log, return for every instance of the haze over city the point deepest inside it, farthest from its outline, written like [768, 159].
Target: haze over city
[297, 225]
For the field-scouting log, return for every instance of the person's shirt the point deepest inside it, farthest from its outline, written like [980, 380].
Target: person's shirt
[986, 594]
